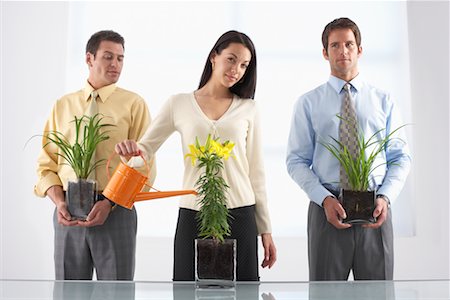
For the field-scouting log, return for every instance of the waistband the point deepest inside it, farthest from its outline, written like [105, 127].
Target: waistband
[98, 197]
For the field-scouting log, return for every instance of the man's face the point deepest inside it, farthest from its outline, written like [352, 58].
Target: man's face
[343, 54]
[106, 65]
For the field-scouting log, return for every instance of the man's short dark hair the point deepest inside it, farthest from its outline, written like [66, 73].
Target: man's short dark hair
[341, 23]
[104, 35]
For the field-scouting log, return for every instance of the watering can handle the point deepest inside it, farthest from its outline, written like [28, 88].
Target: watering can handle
[145, 161]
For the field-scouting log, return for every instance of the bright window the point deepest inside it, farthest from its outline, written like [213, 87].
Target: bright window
[166, 44]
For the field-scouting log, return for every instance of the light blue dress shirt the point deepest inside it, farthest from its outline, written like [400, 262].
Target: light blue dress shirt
[314, 121]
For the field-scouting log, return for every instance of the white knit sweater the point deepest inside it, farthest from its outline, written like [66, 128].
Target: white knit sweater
[239, 124]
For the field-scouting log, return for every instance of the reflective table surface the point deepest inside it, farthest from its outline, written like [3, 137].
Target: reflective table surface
[65, 290]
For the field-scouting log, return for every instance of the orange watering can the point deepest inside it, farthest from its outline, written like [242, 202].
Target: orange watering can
[124, 187]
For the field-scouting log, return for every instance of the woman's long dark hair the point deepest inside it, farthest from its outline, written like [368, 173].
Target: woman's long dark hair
[244, 88]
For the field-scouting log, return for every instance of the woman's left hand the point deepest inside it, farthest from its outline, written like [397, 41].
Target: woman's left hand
[270, 252]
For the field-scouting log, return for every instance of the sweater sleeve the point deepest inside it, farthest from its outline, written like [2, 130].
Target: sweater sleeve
[141, 120]
[159, 130]
[257, 174]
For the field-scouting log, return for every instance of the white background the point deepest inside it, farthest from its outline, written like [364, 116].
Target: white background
[406, 49]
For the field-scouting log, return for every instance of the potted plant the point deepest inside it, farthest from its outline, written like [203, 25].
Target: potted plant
[359, 200]
[79, 155]
[215, 256]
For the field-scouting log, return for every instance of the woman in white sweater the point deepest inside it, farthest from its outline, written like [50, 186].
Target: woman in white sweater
[222, 106]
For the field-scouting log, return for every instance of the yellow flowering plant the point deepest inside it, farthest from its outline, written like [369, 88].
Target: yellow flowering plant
[211, 186]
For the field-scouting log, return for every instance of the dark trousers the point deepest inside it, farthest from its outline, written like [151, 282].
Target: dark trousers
[333, 252]
[243, 229]
[109, 248]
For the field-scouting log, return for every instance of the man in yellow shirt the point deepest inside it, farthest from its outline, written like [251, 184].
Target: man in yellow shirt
[106, 240]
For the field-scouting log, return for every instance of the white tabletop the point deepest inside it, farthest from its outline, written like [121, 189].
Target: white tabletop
[93, 290]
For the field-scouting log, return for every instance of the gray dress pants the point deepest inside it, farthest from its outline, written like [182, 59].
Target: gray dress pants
[109, 248]
[333, 252]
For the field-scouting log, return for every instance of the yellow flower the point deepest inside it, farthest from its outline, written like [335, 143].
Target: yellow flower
[194, 153]
[227, 147]
[221, 150]
[211, 147]
[216, 148]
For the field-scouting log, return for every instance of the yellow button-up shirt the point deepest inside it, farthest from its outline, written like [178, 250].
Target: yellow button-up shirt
[124, 109]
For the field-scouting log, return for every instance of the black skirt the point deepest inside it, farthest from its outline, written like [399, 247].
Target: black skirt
[243, 229]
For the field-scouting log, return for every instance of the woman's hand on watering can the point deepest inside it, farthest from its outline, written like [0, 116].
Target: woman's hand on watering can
[98, 214]
[127, 149]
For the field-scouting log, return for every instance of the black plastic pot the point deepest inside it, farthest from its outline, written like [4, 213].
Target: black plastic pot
[359, 206]
[215, 263]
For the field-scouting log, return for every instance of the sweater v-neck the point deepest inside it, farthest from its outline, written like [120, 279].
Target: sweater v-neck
[202, 113]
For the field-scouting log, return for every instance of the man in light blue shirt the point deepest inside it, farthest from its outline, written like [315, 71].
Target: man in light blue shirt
[334, 247]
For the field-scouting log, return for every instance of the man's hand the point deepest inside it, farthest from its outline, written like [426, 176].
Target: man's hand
[335, 212]
[98, 214]
[63, 215]
[56, 194]
[380, 212]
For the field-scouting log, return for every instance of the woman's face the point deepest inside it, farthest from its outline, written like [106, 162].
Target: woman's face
[230, 65]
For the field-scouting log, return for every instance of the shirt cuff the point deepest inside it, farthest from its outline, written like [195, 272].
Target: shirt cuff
[46, 182]
[319, 194]
[385, 198]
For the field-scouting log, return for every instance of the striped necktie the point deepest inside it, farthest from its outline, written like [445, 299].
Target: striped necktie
[348, 130]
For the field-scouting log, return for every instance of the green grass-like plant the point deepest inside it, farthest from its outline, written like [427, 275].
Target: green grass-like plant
[89, 132]
[211, 187]
[359, 168]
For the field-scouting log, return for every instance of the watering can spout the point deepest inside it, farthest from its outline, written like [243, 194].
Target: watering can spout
[161, 194]
[124, 187]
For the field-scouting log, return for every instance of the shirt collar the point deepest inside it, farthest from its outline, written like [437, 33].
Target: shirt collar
[103, 92]
[337, 84]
